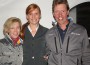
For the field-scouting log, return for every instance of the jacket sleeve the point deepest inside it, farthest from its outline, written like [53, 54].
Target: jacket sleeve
[85, 49]
[1, 54]
[47, 46]
[3, 58]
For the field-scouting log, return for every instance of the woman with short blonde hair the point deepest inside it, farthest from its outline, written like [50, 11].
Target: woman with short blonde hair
[11, 51]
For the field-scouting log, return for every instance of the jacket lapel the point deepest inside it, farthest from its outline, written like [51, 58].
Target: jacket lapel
[39, 32]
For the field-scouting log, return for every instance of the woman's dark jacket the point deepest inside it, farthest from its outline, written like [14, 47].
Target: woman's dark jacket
[34, 47]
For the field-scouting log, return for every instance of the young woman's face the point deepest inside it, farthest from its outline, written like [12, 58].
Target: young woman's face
[33, 17]
[14, 30]
[60, 13]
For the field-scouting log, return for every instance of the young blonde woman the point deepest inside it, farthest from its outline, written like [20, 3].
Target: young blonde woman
[11, 52]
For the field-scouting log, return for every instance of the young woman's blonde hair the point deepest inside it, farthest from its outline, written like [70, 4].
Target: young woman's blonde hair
[9, 22]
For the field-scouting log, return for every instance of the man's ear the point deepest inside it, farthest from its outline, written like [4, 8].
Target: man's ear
[68, 13]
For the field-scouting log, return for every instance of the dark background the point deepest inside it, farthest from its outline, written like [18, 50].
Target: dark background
[83, 15]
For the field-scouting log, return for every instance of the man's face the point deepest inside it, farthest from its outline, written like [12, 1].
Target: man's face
[60, 13]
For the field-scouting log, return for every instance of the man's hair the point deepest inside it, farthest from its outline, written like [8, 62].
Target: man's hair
[56, 2]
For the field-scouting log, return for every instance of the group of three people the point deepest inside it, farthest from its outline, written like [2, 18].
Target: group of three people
[32, 44]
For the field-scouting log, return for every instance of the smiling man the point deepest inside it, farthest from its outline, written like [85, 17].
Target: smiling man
[67, 42]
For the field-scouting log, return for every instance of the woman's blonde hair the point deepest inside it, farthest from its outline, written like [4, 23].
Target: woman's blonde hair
[9, 22]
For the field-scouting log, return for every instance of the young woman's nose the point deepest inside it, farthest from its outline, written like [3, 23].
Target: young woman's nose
[33, 16]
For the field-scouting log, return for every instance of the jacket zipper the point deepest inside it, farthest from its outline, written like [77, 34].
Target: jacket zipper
[67, 44]
[60, 46]
[56, 45]
[77, 61]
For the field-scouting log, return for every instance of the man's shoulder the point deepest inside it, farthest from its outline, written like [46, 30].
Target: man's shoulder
[78, 26]
[51, 30]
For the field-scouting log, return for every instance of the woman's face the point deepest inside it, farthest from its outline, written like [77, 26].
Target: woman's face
[33, 17]
[14, 30]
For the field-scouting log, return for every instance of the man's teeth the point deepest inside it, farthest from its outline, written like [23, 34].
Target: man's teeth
[60, 18]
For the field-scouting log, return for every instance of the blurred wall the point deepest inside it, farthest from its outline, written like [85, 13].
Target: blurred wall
[11, 8]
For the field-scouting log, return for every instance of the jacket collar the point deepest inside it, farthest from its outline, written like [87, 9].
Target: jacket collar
[7, 37]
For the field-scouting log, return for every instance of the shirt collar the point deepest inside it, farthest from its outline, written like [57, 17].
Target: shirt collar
[60, 28]
[31, 29]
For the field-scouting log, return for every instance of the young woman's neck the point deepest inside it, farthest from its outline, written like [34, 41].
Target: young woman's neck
[33, 27]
